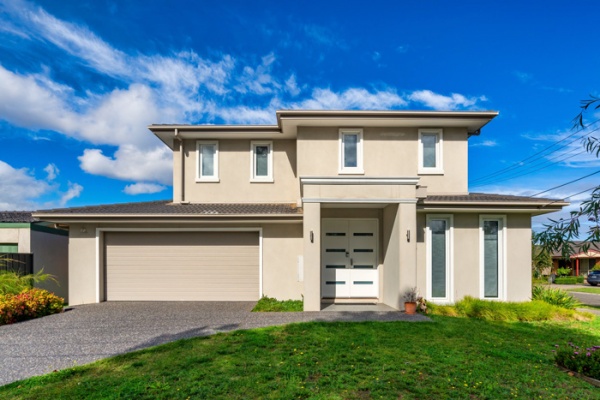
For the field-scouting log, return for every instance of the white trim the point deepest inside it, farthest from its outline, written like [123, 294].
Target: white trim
[99, 231]
[253, 177]
[376, 201]
[199, 177]
[502, 252]
[449, 218]
[439, 152]
[361, 181]
[359, 169]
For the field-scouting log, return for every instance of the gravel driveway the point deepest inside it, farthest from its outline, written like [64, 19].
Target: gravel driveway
[87, 333]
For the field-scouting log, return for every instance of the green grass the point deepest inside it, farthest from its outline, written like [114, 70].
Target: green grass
[268, 304]
[586, 290]
[449, 358]
[535, 310]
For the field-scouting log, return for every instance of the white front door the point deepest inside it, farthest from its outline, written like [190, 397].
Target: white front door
[349, 258]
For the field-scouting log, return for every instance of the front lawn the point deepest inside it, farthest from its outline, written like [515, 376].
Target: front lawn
[585, 290]
[447, 358]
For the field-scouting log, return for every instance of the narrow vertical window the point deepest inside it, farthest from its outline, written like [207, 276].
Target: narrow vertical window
[430, 151]
[439, 259]
[492, 257]
[208, 161]
[351, 151]
[262, 161]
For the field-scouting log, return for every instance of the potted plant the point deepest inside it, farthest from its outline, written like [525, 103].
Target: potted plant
[410, 300]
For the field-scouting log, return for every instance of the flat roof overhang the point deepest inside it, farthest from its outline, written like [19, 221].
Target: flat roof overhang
[288, 122]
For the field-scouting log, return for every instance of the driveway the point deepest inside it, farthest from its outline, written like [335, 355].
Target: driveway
[91, 332]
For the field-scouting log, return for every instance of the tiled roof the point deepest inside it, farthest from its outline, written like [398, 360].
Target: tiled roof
[17, 217]
[593, 250]
[166, 207]
[486, 198]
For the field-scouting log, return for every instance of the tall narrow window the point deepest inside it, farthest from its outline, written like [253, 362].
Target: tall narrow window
[208, 161]
[262, 162]
[351, 152]
[430, 151]
[439, 258]
[492, 260]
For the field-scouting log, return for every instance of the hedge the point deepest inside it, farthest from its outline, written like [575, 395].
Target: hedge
[28, 304]
[569, 280]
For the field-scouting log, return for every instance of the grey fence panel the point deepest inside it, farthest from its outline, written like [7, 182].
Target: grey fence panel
[21, 263]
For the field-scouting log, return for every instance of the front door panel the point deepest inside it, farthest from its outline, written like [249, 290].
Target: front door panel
[349, 259]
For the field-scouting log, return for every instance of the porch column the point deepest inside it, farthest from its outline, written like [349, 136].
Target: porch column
[407, 214]
[312, 256]
[577, 267]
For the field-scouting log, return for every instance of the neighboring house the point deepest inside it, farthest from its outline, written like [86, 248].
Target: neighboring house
[326, 205]
[579, 262]
[20, 233]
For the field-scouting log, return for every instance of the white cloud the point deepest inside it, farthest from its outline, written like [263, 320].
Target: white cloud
[52, 171]
[21, 190]
[129, 163]
[291, 86]
[523, 76]
[353, 98]
[259, 80]
[143, 188]
[485, 143]
[440, 102]
[73, 192]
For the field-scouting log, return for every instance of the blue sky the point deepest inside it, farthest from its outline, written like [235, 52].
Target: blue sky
[81, 80]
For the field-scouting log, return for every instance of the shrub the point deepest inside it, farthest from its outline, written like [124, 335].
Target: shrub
[557, 297]
[29, 304]
[13, 283]
[268, 304]
[488, 310]
[569, 280]
[584, 360]
[563, 271]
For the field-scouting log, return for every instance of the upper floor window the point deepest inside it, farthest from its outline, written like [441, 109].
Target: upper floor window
[262, 161]
[430, 151]
[351, 151]
[207, 153]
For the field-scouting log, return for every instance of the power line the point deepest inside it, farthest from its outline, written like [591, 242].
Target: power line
[523, 162]
[568, 183]
[568, 197]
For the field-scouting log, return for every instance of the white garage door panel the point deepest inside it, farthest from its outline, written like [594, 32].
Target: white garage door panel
[200, 266]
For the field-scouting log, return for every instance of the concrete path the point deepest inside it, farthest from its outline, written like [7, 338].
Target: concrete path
[87, 333]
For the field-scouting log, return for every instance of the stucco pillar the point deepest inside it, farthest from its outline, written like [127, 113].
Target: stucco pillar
[312, 256]
[407, 215]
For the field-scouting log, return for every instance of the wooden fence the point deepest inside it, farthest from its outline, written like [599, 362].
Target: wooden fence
[21, 263]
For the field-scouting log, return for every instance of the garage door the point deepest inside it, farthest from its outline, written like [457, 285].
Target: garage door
[201, 266]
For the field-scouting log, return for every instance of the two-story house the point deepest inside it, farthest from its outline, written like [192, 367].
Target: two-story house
[324, 206]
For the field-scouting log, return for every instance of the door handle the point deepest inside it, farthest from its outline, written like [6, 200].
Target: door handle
[347, 254]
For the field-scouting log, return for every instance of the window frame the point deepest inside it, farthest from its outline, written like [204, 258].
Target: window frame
[439, 152]
[449, 218]
[253, 177]
[199, 177]
[358, 170]
[502, 254]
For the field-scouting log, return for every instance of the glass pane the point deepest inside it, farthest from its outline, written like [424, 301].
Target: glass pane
[208, 159]
[261, 154]
[490, 258]
[438, 258]
[429, 142]
[350, 151]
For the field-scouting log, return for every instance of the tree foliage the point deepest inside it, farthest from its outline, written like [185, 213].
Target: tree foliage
[560, 235]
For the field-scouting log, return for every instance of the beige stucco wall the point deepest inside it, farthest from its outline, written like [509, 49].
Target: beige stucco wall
[387, 152]
[234, 184]
[282, 244]
[391, 257]
[467, 252]
[20, 236]
[51, 254]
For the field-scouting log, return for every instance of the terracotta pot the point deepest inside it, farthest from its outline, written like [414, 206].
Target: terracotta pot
[410, 307]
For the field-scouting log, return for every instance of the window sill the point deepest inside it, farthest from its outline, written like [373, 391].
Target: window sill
[217, 180]
[261, 181]
[431, 171]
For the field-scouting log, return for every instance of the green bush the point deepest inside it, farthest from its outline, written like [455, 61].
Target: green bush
[569, 280]
[488, 310]
[268, 304]
[29, 304]
[557, 297]
[13, 283]
[563, 271]
[585, 360]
